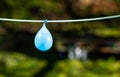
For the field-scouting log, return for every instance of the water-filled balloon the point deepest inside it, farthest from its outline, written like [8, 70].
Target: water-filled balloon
[43, 39]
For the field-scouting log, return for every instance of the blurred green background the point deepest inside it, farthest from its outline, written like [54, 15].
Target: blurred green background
[101, 39]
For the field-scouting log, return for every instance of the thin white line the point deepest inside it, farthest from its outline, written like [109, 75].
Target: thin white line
[74, 20]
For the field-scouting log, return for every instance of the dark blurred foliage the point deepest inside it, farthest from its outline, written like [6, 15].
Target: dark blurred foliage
[100, 36]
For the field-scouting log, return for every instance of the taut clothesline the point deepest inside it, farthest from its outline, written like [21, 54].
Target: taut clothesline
[60, 21]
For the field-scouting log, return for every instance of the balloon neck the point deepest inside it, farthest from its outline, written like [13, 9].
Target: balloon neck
[44, 24]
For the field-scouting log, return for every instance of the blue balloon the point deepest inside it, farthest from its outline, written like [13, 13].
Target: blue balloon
[43, 39]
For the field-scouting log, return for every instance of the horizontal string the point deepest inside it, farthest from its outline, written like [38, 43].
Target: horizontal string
[74, 20]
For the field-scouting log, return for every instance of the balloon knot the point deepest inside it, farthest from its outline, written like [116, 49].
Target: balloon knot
[45, 21]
